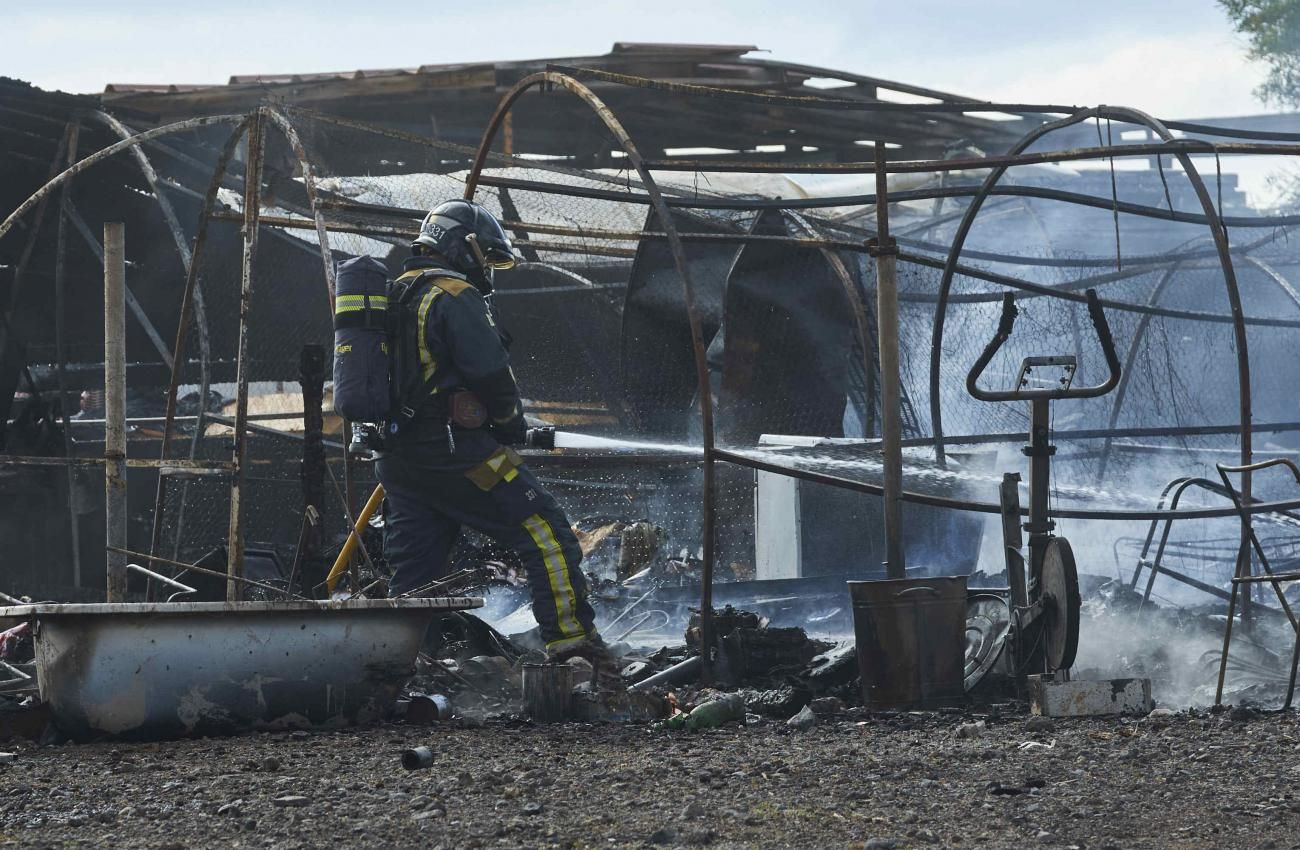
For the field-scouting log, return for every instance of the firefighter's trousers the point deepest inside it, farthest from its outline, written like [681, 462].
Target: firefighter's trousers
[432, 491]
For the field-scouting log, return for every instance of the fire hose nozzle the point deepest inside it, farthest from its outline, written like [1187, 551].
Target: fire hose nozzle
[540, 438]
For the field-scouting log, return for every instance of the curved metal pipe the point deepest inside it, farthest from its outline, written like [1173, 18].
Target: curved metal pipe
[1216, 227]
[100, 155]
[192, 285]
[704, 387]
[862, 318]
[309, 183]
[182, 335]
[1179, 487]
[1151, 532]
[327, 259]
[178, 238]
[1140, 332]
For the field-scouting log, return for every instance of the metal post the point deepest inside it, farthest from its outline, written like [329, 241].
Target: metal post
[1246, 568]
[891, 431]
[1040, 452]
[707, 637]
[312, 379]
[115, 405]
[61, 353]
[252, 202]
[1012, 541]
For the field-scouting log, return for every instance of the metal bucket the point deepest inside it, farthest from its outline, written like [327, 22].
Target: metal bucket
[548, 692]
[911, 637]
[166, 670]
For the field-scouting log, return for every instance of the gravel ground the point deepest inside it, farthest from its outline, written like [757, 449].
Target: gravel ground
[909, 780]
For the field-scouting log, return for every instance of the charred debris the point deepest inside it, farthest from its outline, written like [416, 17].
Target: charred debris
[705, 238]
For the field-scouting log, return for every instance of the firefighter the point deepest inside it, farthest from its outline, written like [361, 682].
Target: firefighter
[447, 460]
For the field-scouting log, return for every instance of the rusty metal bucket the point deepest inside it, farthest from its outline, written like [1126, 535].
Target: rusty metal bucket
[548, 692]
[911, 637]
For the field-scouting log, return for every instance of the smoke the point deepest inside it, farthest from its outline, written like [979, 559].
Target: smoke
[1180, 374]
[1175, 636]
[1180, 650]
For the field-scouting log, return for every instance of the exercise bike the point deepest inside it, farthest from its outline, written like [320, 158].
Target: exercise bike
[1044, 605]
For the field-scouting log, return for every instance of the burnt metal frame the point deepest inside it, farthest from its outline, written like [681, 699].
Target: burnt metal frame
[63, 181]
[672, 237]
[254, 125]
[1180, 149]
[1016, 156]
[1171, 496]
[1217, 230]
[656, 197]
[1244, 577]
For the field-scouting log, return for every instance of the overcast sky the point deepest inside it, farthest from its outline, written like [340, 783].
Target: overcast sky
[1176, 58]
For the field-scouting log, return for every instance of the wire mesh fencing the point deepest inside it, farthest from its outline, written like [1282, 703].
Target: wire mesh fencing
[770, 354]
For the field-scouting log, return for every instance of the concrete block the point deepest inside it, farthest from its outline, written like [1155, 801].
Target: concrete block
[1050, 698]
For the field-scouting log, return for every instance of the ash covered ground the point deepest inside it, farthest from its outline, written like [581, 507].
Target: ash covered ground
[1189, 780]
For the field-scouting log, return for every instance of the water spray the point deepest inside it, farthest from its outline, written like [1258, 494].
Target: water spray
[550, 439]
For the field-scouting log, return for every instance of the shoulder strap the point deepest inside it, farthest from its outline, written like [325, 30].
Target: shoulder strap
[453, 283]
[415, 369]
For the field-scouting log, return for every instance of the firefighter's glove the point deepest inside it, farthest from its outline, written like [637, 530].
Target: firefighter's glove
[513, 432]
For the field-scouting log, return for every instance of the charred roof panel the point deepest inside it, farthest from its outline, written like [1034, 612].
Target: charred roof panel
[451, 102]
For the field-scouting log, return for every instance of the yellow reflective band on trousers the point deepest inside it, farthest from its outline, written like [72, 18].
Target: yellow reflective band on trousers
[564, 643]
[557, 572]
[427, 364]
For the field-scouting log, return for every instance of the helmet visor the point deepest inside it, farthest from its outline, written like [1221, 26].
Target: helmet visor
[499, 258]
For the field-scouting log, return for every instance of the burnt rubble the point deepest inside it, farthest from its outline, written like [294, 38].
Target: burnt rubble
[474, 672]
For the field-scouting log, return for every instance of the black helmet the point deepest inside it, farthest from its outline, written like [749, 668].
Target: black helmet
[470, 238]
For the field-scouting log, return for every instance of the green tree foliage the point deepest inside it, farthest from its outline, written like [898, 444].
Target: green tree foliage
[1272, 29]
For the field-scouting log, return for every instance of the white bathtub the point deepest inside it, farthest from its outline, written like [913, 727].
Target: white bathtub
[181, 668]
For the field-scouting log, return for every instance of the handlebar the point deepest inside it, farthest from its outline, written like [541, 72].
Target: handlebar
[1005, 326]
